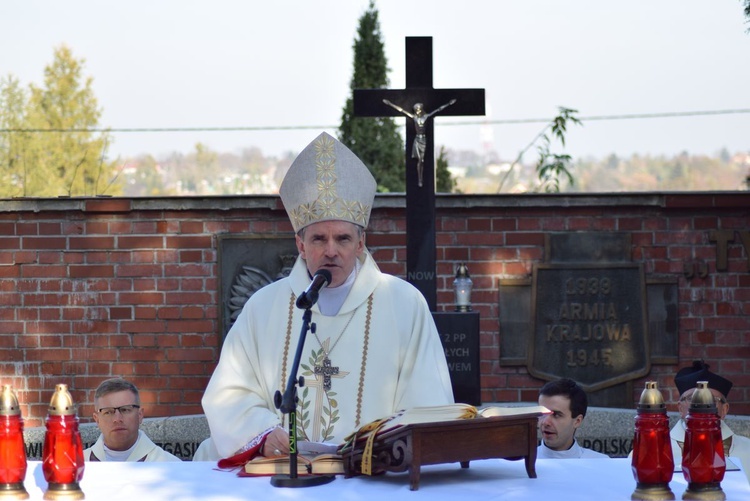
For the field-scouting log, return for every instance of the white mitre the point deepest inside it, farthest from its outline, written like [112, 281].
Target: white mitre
[327, 182]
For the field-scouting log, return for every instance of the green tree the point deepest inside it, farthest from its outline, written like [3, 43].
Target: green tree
[445, 183]
[56, 152]
[12, 143]
[376, 141]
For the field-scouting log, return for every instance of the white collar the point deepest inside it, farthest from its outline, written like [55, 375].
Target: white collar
[113, 455]
[332, 298]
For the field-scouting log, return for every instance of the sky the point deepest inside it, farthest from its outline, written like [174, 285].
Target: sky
[285, 64]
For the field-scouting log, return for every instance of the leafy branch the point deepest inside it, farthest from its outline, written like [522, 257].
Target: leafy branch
[550, 166]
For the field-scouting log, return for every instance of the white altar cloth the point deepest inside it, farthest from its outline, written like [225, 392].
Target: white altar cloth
[580, 479]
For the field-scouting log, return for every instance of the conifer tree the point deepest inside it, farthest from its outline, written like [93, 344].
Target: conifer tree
[12, 144]
[56, 153]
[376, 141]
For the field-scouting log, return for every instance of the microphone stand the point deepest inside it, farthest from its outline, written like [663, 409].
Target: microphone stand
[287, 404]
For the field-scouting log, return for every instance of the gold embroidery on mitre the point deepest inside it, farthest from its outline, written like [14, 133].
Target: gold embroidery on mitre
[324, 146]
[341, 187]
[328, 204]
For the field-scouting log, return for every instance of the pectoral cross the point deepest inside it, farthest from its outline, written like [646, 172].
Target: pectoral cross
[322, 386]
[327, 370]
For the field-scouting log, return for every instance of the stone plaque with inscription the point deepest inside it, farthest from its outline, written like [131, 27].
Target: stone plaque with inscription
[459, 333]
[589, 323]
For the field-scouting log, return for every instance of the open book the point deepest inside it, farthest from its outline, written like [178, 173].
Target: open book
[433, 414]
[322, 464]
[513, 411]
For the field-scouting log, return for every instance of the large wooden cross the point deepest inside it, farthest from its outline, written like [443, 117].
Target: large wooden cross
[420, 186]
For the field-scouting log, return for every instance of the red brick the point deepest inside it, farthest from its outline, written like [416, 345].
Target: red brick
[140, 340]
[86, 243]
[191, 227]
[145, 312]
[187, 270]
[179, 298]
[192, 354]
[140, 242]
[39, 243]
[142, 326]
[190, 326]
[191, 256]
[88, 271]
[107, 205]
[192, 312]
[120, 313]
[189, 242]
[120, 227]
[27, 229]
[139, 270]
[93, 228]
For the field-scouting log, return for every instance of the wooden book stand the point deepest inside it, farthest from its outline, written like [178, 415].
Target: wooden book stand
[458, 441]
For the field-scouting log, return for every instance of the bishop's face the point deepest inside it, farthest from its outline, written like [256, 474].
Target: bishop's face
[331, 245]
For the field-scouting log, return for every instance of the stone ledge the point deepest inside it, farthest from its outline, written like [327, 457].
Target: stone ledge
[382, 201]
[604, 430]
[179, 435]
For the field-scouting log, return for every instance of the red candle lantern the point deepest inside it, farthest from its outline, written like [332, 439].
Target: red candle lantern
[703, 462]
[62, 455]
[652, 461]
[12, 451]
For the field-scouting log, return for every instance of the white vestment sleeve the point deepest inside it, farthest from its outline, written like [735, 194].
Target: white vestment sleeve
[424, 379]
[238, 400]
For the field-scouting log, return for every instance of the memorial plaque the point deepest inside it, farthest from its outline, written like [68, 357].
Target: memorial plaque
[589, 323]
[246, 264]
[459, 333]
[514, 306]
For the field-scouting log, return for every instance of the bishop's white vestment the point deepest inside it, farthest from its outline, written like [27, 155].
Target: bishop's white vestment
[384, 354]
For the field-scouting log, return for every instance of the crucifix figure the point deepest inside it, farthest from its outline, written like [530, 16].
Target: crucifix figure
[420, 139]
[421, 249]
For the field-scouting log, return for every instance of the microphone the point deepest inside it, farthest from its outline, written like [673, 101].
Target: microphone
[308, 298]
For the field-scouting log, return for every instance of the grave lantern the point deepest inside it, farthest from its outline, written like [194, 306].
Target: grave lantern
[703, 462]
[462, 286]
[12, 451]
[652, 461]
[62, 455]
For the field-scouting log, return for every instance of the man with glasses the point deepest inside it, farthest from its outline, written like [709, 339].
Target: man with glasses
[118, 413]
[686, 380]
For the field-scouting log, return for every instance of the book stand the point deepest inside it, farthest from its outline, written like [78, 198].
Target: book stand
[458, 441]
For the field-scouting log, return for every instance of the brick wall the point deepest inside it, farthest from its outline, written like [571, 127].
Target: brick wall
[91, 288]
